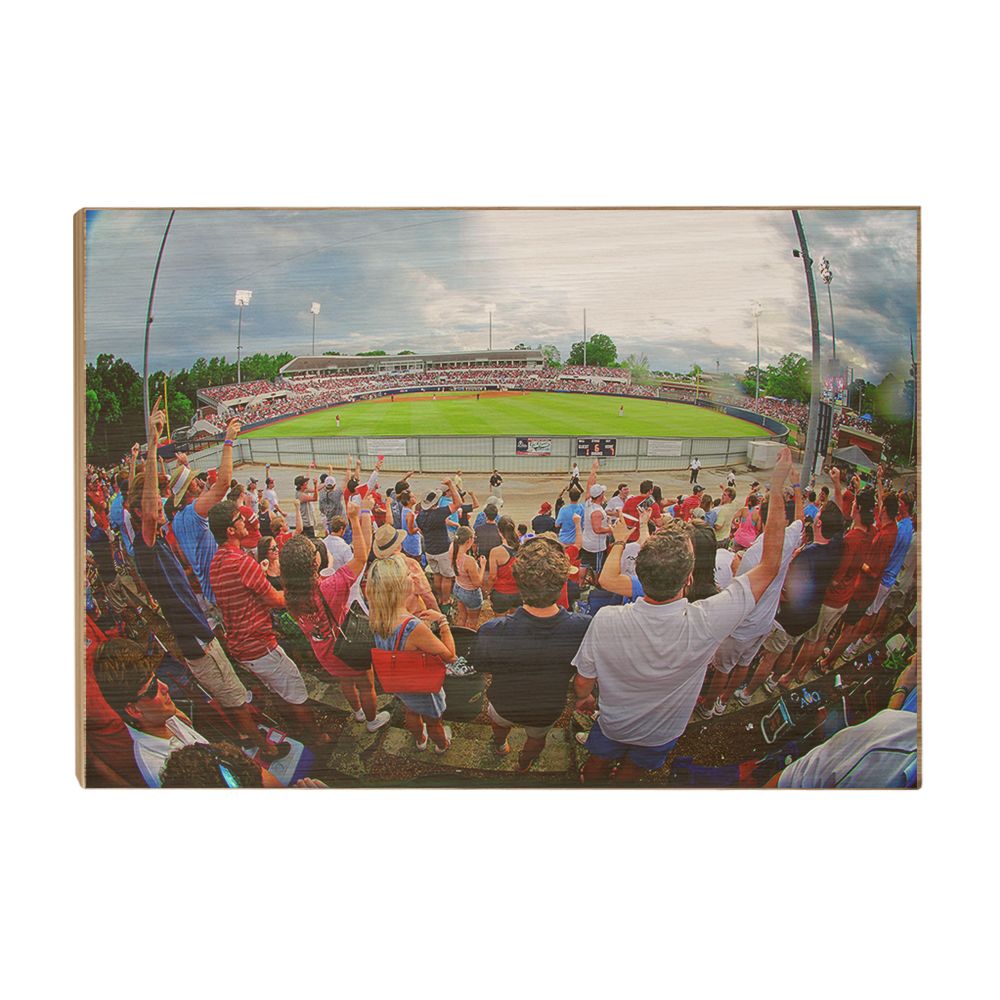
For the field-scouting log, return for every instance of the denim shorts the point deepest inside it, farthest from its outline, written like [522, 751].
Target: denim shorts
[649, 758]
[472, 599]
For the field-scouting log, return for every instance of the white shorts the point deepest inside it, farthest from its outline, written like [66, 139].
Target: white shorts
[280, 675]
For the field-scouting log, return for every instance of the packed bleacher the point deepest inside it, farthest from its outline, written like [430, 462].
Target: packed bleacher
[638, 622]
[291, 396]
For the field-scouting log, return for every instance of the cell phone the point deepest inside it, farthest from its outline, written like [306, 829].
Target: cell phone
[646, 504]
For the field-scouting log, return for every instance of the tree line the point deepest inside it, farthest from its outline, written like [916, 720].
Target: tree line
[115, 417]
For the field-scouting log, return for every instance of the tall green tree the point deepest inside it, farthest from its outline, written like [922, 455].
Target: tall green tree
[638, 365]
[791, 378]
[601, 352]
[551, 354]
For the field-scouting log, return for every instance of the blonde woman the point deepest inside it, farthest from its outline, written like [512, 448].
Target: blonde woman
[394, 627]
[469, 570]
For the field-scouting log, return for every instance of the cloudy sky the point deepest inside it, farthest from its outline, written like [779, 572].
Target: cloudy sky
[677, 286]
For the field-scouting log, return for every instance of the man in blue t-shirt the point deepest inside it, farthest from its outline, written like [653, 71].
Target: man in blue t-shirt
[564, 519]
[163, 575]
[190, 523]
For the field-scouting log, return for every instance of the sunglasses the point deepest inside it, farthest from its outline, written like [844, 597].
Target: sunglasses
[151, 692]
[236, 520]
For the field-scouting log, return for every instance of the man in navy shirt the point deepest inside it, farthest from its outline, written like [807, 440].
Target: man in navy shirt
[529, 652]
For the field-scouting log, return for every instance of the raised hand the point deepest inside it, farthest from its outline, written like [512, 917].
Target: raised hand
[232, 429]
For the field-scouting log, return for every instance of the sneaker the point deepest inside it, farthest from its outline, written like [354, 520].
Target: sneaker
[501, 751]
[582, 738]
[705, 710]
[447, 738]
[770, 684]
[850, 652]
[421, 746]
[719, 707]
[741, 696]
[359, 715]
[378, 722]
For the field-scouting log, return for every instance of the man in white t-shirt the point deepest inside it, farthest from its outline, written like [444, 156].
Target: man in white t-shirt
[649, 657]
[126, 677]
[733, 657]
[617, 501]
[340, 552]
[694, 467]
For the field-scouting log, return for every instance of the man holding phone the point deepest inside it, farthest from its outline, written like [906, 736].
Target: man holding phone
[643, 500]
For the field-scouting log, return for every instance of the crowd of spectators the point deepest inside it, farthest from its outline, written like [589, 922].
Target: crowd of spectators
[291, 396]
[712, 598]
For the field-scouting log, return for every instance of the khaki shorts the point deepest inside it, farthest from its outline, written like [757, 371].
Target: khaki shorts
[280, 675]
[736, 653]
[828, 617]
[215, 673]
[876, 605]
[440, 564]
[535, 732]
[778, 640]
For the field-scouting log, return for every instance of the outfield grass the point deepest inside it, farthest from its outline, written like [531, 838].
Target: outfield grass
[510, 413]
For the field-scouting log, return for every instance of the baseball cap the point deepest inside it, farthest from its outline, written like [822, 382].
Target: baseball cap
[596, 490]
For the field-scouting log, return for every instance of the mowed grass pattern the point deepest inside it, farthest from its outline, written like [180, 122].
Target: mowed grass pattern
[536, 414]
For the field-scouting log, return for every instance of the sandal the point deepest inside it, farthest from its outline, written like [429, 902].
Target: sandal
[523, 769]
[501, 751]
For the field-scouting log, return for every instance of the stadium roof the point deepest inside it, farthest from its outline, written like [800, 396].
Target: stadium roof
[338, 362]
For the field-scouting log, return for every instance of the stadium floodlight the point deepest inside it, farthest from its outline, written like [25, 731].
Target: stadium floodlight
[314, 309]
[756, 310]
[827, 274]
[489, 307]
[242, 299]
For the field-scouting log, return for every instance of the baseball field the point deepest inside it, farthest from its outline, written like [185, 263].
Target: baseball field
[511, 413]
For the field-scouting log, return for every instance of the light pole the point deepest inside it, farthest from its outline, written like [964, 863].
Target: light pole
[827, 274]
[584, 338]
[812, 436]
[756, 310]
[314, 309]
[242, 299]
[149, 321]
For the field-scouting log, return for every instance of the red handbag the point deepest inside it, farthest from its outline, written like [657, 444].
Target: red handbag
[402, 671]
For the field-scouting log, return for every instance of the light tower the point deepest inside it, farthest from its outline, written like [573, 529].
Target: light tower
[756, 310]
[314, 309]
[242, 299]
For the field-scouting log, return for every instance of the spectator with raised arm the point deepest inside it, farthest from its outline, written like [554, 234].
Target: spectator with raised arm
[245, 598]
[164, 576]
[319, 606]
[647, 696]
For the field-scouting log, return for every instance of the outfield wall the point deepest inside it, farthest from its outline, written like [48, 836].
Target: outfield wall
[445, 455]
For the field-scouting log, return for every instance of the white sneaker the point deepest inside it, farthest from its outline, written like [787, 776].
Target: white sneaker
[378, 722]
[741, 696]
[705, 710]
[359, 715]
[421, 746]
[447, 736]
[770, 684]
[719, 708]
